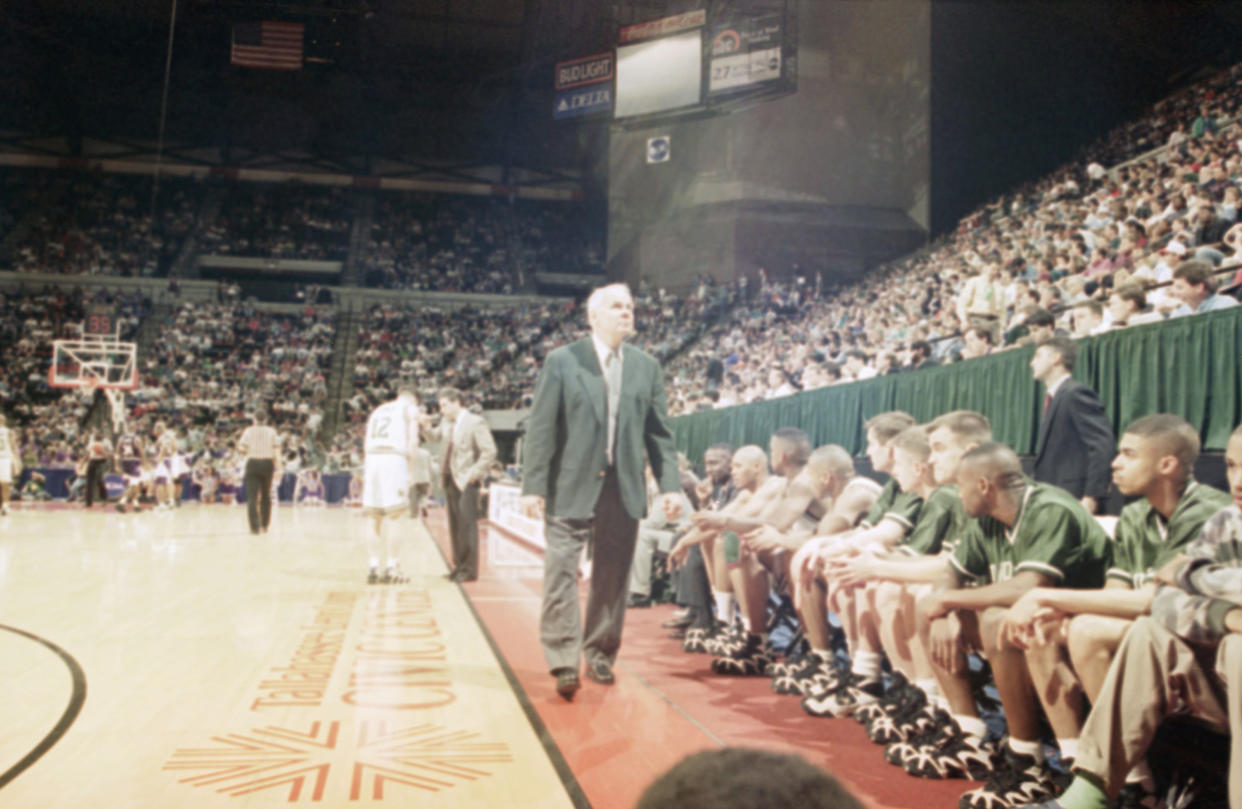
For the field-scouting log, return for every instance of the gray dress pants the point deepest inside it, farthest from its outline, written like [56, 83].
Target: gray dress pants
[565, 634]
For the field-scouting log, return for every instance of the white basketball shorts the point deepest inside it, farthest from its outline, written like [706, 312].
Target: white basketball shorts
[386, 482]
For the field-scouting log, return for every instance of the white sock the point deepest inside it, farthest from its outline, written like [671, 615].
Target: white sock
[374, 561]
[724, 606]
[1033, 749]
[392, 562]
[1069, 748]
[746, 624]
[822, 654]
[867, 664]
[971, 725]
[929, 687]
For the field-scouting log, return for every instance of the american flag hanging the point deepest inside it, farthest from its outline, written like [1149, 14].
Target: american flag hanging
[270, 45]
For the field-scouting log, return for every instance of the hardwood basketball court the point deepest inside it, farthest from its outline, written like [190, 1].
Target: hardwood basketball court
[173, 659]
[208, 667]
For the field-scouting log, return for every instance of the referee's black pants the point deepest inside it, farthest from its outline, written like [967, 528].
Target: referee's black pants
[259, 492]
[95, 488]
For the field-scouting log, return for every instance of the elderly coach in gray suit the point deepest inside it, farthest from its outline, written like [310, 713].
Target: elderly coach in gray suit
[599, 406]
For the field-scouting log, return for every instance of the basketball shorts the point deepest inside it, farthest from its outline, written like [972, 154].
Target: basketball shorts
[131, 467]
[6, 470]
[386, 482]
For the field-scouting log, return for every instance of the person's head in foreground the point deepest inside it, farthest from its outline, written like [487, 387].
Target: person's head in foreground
[741, 778]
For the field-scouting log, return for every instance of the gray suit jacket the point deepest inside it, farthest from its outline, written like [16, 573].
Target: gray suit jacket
[564, 456]
[473, 449]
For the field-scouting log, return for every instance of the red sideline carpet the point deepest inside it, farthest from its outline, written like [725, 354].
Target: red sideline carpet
[666, 703]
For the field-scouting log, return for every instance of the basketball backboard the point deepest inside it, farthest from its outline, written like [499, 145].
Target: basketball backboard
[105, 364]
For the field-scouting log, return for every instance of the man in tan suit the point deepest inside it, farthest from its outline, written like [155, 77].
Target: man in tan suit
[420, 481]
[468, 451]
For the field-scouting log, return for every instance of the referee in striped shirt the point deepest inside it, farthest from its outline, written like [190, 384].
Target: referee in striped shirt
[261, 447]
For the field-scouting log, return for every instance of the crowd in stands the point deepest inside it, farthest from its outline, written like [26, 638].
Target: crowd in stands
[464, 244]
[46, 420]
[209, 368]
[212, 366]
[282, 221]
[496, 353]
[1189, 112]
[101, 224]
[1054, 252]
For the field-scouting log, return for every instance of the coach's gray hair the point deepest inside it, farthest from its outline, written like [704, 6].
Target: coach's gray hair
[596, 301]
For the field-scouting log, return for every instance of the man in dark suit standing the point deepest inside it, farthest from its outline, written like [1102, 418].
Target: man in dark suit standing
[1076, 443]
[599, 406]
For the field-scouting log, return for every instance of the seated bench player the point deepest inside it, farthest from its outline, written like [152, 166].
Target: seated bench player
[1023, 535]
[1182, 660]
[1068, 659]
[891, 517]
[925, 461]
[791, 497]
[755, 486]
[758, 552]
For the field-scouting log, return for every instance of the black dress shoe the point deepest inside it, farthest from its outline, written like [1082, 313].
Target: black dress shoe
[637, 600]
[460, 575]
[601, 672]
[567, 683]
[451, 575]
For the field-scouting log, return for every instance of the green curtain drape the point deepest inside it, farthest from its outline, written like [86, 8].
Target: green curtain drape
[1191, 366]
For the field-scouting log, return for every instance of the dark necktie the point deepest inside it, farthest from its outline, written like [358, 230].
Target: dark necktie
[447, 466]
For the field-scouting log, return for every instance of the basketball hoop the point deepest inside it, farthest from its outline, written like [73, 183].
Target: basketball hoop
[92, 364]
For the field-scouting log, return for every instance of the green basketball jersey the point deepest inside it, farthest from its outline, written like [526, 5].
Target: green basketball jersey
[896, 505]
[940, 524]
[1144, 542]
[1053, 534]
[882, 503]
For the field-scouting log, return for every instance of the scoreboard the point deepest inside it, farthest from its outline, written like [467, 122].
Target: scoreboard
[713, 59]
[745, 53]
[100, 321]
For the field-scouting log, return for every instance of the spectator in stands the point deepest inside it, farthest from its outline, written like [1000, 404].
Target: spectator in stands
[981, 303]
[1088, 319]
[1194, 287]
[1040, 325]
[978, 343]
[1127, 306]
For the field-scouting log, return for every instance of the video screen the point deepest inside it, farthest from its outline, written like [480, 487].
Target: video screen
[660, 75]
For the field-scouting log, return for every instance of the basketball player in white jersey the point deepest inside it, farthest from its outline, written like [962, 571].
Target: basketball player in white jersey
[167, 462]
[10, 465]
[391, 441]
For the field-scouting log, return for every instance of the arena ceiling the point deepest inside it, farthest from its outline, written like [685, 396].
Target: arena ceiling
[447, 79]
